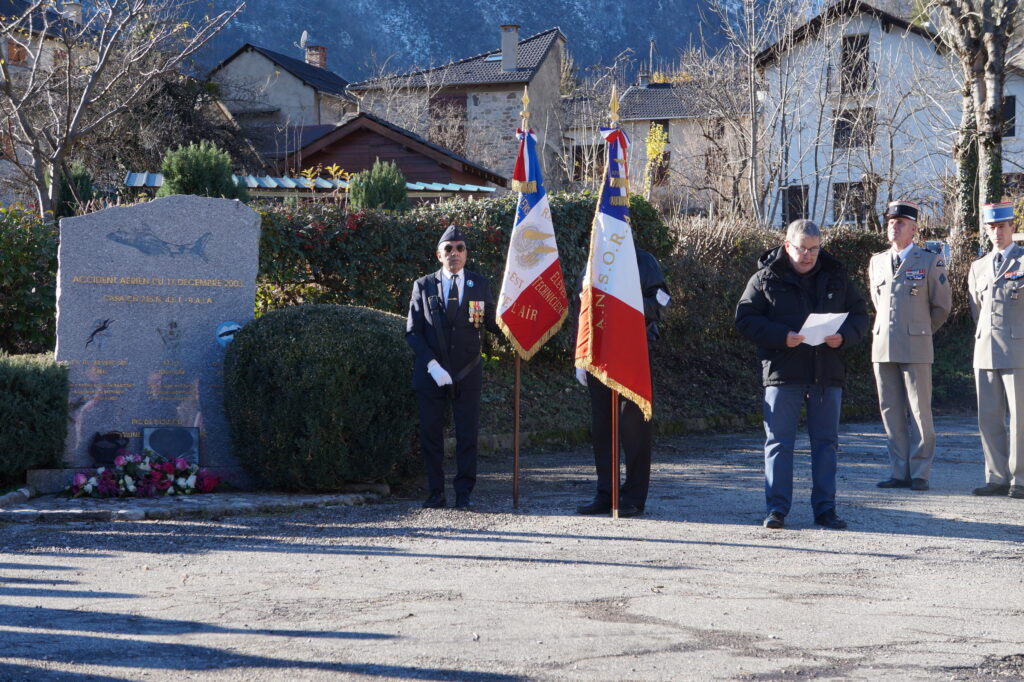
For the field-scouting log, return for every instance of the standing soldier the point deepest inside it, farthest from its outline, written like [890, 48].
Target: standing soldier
[995, 286]
[447, 310]
[912, 298]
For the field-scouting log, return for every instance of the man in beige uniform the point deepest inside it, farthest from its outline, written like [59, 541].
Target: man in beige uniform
[912, 298]
[996, 287]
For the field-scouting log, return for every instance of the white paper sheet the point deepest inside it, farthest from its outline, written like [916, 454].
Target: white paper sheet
[820, 325]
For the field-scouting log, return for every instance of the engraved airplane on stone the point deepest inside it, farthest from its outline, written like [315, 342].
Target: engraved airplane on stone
[151, 245]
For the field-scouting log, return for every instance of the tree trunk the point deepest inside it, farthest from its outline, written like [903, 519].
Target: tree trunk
[965, 153]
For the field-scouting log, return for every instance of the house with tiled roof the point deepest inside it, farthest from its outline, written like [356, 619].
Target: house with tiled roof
[275, 97]
[472, 106]
[699, 122]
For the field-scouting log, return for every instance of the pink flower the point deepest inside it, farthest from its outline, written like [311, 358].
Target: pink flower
[167, 467]
[180, 464]
[164, 484]
[120, 461]
[80, 480]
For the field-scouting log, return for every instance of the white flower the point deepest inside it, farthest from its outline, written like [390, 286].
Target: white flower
[131, 487]
[191, 482]
[170, 491]
[180, 482]
[129, 481]
[101, 470]
[93, 481]
[87, 487]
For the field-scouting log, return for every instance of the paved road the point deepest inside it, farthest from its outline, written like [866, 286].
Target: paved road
[923, 585]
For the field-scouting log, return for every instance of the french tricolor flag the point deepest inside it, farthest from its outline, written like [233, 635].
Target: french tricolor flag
[612, 340]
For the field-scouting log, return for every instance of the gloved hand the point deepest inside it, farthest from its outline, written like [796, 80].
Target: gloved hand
[581, 376]
[438, 373]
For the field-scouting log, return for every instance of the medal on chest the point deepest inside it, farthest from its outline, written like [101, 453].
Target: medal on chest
[476, 313]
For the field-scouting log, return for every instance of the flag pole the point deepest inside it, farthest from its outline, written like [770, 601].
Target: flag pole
[614, 106]
[525, 113]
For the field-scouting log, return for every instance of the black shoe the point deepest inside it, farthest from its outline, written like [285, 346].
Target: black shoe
[992, 489]
[894, 483]
[595, 507]
[829, 519]
[775, 520]
[627, 510]
[1016, 491]
[462, 501]
[919, 484]
[435, 501]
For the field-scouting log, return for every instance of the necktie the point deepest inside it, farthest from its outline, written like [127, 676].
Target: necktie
[896, 263]
[453, 299]
[998, 261]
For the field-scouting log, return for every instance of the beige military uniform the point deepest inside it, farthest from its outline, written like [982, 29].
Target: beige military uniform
[997, 304]
[910, 306]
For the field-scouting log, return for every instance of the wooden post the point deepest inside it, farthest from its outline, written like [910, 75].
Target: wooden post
[515, 440]
[615, 454]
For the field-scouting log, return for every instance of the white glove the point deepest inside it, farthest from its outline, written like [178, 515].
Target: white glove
[439, 374]
[581, 376]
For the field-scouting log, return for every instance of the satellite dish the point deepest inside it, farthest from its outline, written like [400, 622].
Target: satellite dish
[303, 39]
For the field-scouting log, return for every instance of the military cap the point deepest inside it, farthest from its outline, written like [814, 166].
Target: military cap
[902, 209]
[452, 234]
[997, 213]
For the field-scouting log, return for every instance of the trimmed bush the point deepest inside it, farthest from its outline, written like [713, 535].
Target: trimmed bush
[200, 169]
[382, 186]
[28, 281]
[319, 395]
[33, 413]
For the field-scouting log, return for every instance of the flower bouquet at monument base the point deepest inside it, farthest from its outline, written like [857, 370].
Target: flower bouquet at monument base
[136, 475]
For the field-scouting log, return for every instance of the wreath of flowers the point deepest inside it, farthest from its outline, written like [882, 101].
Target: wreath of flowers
[144, 476]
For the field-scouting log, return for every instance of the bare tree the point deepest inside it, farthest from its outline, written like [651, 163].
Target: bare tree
[979, 31]
[75, 75]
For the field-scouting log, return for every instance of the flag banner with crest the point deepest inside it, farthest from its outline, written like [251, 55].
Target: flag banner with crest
[532, 304]
[611, 343]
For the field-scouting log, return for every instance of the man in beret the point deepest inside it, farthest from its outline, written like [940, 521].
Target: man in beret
[446, 313]
[912, 298]
[995, 289]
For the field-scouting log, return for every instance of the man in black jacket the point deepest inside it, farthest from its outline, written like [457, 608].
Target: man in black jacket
[793, 281]
[446, 312]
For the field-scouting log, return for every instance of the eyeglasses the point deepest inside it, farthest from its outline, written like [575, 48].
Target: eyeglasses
[804, 250]
[457, 247]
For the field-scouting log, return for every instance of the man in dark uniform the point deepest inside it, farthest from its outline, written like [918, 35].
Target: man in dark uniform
[447, 310]
[634, 430]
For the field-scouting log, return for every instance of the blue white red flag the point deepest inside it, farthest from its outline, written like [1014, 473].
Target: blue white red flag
[532, 304]
[611, 343]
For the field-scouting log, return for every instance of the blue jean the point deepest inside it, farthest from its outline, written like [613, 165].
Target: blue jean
[781, 416]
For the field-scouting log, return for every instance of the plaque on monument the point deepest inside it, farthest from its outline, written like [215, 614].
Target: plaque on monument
[148, 298]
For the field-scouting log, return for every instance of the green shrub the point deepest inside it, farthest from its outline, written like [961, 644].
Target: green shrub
[75, 191]
[382, 186]
[319, 395]
[200, 169]
[28, 281]
[33, 412]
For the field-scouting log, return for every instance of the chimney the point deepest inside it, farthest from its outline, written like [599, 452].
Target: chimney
[644, 78]
[316, 55]
[509, 46]
[72, 11]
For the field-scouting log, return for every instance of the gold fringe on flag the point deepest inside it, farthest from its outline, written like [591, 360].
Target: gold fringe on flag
[618, 182]
[618, 200]
[525, 187]
[527, 353]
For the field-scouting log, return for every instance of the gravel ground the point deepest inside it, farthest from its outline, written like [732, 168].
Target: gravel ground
[922, 586]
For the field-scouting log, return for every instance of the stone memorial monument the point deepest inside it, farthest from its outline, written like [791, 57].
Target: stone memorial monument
[148, 299]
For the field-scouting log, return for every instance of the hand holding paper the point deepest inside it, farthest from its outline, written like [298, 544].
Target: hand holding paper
[821, 325]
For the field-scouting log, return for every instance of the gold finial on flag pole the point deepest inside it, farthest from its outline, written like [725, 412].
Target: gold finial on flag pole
[614, 106]
[525, 113]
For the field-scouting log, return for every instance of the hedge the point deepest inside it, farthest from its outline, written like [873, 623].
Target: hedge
[33, 413]
[320, 395]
